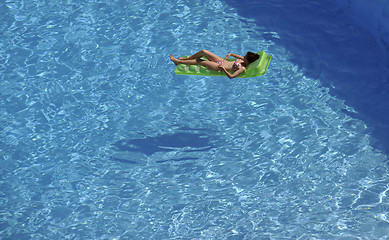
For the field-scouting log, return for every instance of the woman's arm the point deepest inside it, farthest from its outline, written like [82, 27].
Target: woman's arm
[234, 55]
[235, 74]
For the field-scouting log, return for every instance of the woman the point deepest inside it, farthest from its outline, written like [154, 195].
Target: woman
[217, 63]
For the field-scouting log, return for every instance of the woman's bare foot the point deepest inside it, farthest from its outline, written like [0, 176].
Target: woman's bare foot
[174, 59]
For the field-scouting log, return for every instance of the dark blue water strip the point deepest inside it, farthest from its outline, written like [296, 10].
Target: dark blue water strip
[328, 46]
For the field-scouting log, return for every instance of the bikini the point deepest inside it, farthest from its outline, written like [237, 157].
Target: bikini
[235, 66]
[221, 62]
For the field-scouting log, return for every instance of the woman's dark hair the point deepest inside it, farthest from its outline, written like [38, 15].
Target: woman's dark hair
[251, 57]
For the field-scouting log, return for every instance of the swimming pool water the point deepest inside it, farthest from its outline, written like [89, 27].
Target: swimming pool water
[327, 45]
[101, 140]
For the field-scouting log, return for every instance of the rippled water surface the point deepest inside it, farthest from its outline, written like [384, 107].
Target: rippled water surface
[101, 140]
[327, 45]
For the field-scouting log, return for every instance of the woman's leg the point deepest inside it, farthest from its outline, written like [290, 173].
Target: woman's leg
[208, 64]
[185, 61]
[204, 53]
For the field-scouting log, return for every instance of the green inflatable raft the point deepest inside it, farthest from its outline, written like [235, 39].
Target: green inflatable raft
[257, 68]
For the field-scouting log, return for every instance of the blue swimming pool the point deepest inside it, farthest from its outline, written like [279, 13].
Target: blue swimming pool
[101, 140]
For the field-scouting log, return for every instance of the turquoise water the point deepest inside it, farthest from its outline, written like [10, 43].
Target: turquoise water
[101, 140]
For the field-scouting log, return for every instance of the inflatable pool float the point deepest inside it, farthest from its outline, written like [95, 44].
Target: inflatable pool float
[257, 68]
